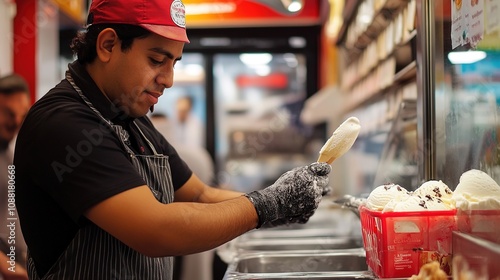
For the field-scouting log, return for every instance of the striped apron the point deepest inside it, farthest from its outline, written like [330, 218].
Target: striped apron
[95, 254]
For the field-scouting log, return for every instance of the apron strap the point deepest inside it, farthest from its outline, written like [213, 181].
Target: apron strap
[85, 99]
[122, 133]
[151, 146]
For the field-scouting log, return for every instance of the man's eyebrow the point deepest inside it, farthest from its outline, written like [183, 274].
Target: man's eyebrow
[165, 53]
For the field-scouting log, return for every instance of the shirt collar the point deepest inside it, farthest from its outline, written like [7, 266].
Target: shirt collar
[90, 89]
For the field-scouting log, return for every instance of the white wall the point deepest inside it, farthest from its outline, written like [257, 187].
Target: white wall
[48, 60]
[48, 73]
[7, 13]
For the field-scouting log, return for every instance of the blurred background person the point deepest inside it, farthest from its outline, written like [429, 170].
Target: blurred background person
[14, 105]
[188, 129]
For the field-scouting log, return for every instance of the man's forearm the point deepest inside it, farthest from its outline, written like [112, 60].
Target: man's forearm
[202, 226]
[214, 195]
[194, 190]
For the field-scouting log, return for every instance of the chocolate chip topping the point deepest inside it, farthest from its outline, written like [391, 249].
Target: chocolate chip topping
[437, 192]
[422, 204]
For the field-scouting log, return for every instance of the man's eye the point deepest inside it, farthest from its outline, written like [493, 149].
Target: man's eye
[156, 62]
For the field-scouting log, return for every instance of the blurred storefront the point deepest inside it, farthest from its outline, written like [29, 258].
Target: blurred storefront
[271, 79]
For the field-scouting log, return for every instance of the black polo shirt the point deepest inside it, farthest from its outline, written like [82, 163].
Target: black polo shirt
[67, 160]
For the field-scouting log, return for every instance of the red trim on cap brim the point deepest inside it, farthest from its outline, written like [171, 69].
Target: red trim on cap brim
[169, 32]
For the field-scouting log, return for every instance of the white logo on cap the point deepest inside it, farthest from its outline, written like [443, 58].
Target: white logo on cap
[178, 13]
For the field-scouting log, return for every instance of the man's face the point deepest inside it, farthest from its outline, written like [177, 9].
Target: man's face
[13, 109]
[138, 76]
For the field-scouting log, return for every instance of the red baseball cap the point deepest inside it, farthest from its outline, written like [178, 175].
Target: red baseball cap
[166, 18]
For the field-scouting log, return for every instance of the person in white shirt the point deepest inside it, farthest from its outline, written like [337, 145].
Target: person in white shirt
[188, 128]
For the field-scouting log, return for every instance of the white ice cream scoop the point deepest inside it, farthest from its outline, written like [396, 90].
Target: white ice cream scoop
[437, 194]
[384, 194]
[341, 140]
[477, 191]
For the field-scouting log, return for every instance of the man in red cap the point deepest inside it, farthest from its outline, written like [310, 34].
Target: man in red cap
[100, 193]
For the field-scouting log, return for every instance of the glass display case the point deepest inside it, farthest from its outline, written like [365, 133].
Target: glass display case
[460, 86]
[426, 89]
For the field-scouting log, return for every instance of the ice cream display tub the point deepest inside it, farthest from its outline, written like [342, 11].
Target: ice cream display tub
[397, 244]
[481, 223]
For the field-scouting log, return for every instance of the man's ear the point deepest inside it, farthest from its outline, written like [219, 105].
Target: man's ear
[107, 41]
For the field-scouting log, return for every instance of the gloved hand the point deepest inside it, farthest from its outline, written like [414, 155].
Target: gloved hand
[293, 197]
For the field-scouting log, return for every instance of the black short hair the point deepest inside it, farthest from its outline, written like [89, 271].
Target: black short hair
[12, 84]
[83, 44]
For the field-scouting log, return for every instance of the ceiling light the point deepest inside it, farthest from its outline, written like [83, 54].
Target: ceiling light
[295, 7]
[256, 58]
[292, 6]
[297, 42]
[466, 57]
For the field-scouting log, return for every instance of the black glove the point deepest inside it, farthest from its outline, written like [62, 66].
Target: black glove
[293, 197]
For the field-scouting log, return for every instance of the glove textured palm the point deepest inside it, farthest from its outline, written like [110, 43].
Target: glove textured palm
[294, 197]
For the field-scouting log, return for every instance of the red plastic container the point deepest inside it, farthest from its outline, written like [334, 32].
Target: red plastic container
[397, 244]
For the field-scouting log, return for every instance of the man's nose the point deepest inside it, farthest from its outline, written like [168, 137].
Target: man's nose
[166, 78]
